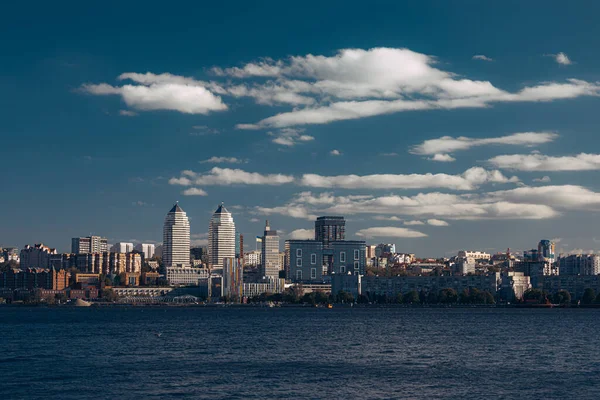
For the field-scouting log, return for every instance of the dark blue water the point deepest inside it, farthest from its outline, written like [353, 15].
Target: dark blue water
[98, 353]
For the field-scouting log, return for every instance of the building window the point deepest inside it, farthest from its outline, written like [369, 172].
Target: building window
[298, 262]
[313, 273]
[343, 269]
[356, 265]
[298, 252]
[299, 275]
[342, 256]
[357, 254]
[313, 259]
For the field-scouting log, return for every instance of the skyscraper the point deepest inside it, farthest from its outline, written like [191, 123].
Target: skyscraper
[221, 237]
[176, 238]
[546, 250]
[330, 229]
[270, 265]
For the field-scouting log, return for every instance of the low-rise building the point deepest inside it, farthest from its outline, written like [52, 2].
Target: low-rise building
[579, 264]
[36, 256]
[185, 276]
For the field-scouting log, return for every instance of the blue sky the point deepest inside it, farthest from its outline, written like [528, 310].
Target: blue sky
[110, 113]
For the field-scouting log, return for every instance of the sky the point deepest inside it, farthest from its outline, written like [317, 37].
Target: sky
[437, 126]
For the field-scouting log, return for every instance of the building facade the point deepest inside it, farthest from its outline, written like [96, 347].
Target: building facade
[304, 260]
[221, 237]
[233, 278]
[270, 265]
[474, 254]
[36, 256]
[185, 275]
[122, 247]
[579, 264]
[176, 238]
[330, 229]
[89, 244]
[349, 256]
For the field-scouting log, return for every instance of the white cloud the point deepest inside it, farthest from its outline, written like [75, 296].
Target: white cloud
[562, 59]
[544, 179]
[389, 154]
[127, 113]
[437, 222]
[442, 158]
[414, 223]
[449, 144]
[199, 239]
[357, 83]
[386, 218]
[203, 130]
[162, 92]
[335, 152]
[389, 231]
[540, 162]
[219, 160]
[290, 136]
[227, 176]
[194, 192]
[482, 57]
[570, 197]
[470, 179]
[254, 220]
[302, 234]
[424, 205]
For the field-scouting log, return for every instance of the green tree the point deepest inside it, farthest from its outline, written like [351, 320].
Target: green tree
[310, 298]
[589, 295]
[534, 294]
[488, 298]
[432, 297]
[109, 295]
[412, 297]
[562, 297]
[344, 297]
[448, 296]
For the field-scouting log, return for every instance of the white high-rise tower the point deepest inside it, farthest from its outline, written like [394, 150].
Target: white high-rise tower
[221, 237]
[270, 253]
[176, 238]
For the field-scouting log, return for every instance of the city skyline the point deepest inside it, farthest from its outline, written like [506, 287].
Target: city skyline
[416, 130]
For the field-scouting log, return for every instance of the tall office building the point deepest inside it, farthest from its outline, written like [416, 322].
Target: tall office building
[330, 229]
[221, 237]
[176, 238]
[233, 279]
[90, 244]
[270, 265]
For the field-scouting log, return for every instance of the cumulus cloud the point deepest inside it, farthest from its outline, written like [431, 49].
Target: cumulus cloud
[449, 144]
[569, 197]
[302, 234]
[562, 59]
[442, 158]
[127, 113]
[220, 160]
[544, 179]
[227, 176]
[470, 179]
[335, 152]
[482, 57]
[386, 218]
[358, 83]
[436, 222]
[194, 192]
[414, 223]
[161, 92]
[290, 136]
[389, 231]
[424, 205]
[540, 162]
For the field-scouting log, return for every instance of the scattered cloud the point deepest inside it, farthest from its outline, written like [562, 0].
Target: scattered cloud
[139, 203]
[482, 57]
[161, 92]
[199, 239]
[254, 220]
[389, 231]
[302, 234]
[127, 113]
[194, 192]
[335, 152]
[544, 179]
[386, 218]
[468, 180]
[220, 160]
[203, 130]
[414, 223]
[437, 222]
[540, 162]
[561, 58]
[449, 144]
[227, 176]
[290, 136]
[442, 158]
[568, 197]
[389, 154]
